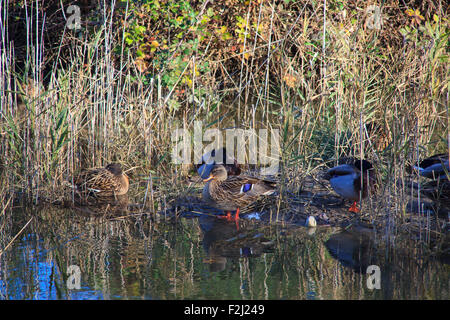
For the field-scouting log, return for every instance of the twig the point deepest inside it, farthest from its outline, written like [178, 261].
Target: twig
[1, 252]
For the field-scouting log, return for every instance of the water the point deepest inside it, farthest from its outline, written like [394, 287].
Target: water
[63, 254]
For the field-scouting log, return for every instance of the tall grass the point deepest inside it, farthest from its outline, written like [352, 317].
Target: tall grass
[332, 85]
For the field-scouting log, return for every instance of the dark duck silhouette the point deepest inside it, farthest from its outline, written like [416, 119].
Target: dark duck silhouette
[436, 168]
[219, 156]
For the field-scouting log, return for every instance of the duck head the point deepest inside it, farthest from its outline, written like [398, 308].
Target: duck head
[218, 172]
[114, 168]
[363, 165]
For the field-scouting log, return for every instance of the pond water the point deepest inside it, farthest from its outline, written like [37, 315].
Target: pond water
[62, 254]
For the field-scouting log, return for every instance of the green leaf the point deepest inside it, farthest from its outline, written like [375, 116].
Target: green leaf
[62, 140]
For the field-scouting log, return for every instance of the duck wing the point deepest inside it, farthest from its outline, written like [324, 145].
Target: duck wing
[97, 180]
[435, 159]
[434, 170]
[248, 186]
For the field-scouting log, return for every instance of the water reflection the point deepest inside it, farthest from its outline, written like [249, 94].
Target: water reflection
[106, 206]
[222, 240]
[139, 257]
[355, 250]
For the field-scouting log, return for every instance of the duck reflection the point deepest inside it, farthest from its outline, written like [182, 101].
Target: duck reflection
[103, 206]
[355, 250]
[221, 241]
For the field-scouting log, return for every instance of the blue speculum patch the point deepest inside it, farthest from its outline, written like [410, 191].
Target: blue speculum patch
[246, 187]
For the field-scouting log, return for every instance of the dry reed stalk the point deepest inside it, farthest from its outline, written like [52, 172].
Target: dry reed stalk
[15, 237]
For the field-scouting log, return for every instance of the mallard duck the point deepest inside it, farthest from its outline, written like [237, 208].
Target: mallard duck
[214, 157]
[234, 192]
[437, 169]
[346, 180]
[107, 181]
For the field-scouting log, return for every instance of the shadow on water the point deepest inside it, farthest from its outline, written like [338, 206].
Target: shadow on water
[355, 250]
[106, 253]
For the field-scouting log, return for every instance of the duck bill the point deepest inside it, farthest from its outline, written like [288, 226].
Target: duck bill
[208, 179]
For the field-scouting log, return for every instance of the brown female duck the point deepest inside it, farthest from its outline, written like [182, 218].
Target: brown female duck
[234, 192]
[107, 181]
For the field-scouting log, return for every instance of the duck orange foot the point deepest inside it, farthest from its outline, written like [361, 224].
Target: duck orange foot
[229, 217]
[354, 208]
